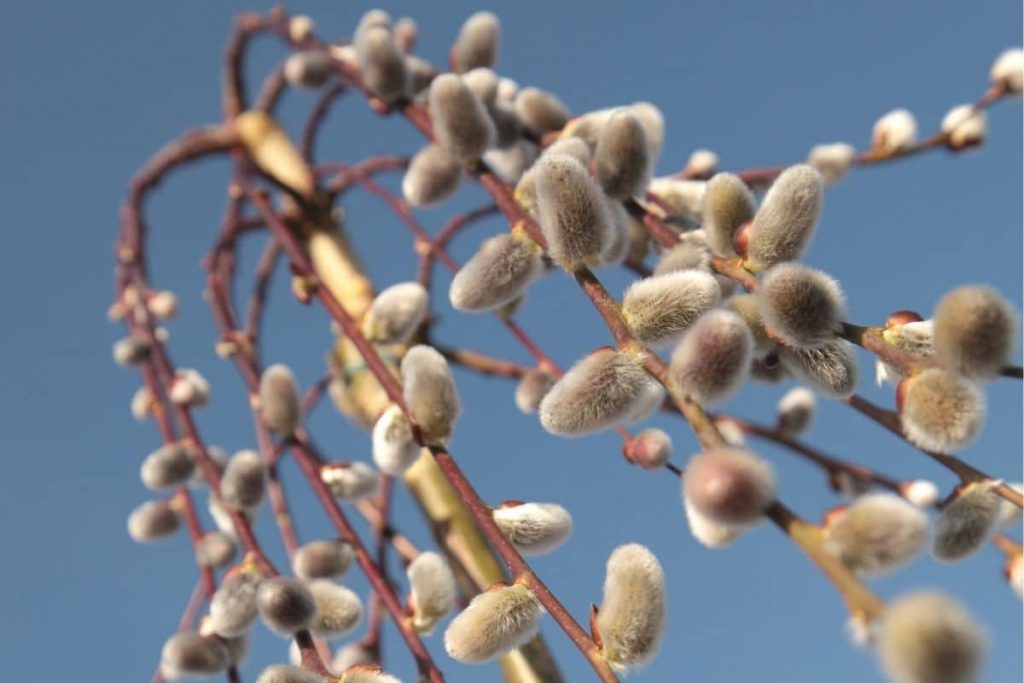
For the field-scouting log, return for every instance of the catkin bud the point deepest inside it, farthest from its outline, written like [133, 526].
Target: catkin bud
[326, 559]
[433, 176]
[601, 390]
[688, 254]
[728, 204]
[495, 622]
[152, 521]
[701, 164]
[526, 188]
[477, 43]
[337, 610]
[281, 673]
[131, 351]
[941, 410]
[431, 588]
[540, 111]
[394, 448]
[163, 304]
[367, 673]
[832, 161]
[501, 269]
[729, 486]
[279, 399]
[796, 410]
[381, 63]
[785, 223]
[964, 126]
[215, 549]
[974, 331]
[571, 209]
[190, 654]
[373, 17]
[1008, 70]
[349, 481]
[167, 467]
[966, 522]
[244, 481]
[534, 528]
[658, 309]
[632, 616]
[190, 389]
[895, 131]
[830, 369]
[877, 533]
[920, 492]
[714, 357]
[622, 156]
[802, 306]
[462, 125]
[929, 638]
[309, 69]
[650, 449]
[285, 605]
[142, 403]
[396, 313]
[709, 533]
[430, 392]
[653, 122]
[916, 337]
[233, 606]
[532, 388]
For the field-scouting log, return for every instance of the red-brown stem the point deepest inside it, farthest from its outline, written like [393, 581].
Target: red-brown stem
[246, 24]
[264, 271]
[346, 176]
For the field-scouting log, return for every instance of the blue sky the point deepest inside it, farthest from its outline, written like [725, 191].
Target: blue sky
[90, 90]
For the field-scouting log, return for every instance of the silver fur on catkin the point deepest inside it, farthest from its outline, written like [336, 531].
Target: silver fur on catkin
[540, 111]
[658, 309]
[394, 448]
[747, 307]
[189, 654]
[631, 619]
[804, 307]
[167, 467]
[727, 205]
[381, 63]
[281, 673]
[430, 392]
[462, 125]
[244, 481]
[534, 528]
[572, 211]
[941, 410]
[396, 313]
[433, 176]
[501, 270]
[878, 533]
[622, 158]
[532, 388]
[966, 522]
[279, 399]
[325, 559]
[830, 369]
[432, 590]
[713, 359]
[233, 606]
[787, 218]
[477, 43]
[285, 605]
[215, 549]
[337, 610]
[152, 521]
[351, 481]
[974, 331]
[495, 622]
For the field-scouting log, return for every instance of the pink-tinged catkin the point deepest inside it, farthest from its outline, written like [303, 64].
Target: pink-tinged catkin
[830, 369]
[929, 638]
[802, 306]
[941, 410]
[713, 359]
[966, 522]
[396, 313]
[540, 111]
[708, 533]
[532, 388]
[167, 467]
[324, 559]
[433, 176]
[244, 481]
[534, 528]
[631, 619]
[462, 125]
[650, 449]
[430, 393]
[601, 390]
[660, 308]
[336, 609]
[877, 534]
[285, 605]
[279, 399]
[381, 63]
[727, 205]
[974, 331]
[501, 270]
[572, 211]
[796, 410]
[495, 622]
[787, 218]
[432, 590]
[152, 521]
[477, 43]
[189, 654]
[621, 159]
[729, 486]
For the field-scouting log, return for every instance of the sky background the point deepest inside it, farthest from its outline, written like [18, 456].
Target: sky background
[90, 91]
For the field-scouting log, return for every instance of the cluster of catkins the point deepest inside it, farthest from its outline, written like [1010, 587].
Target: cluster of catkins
[577, 176]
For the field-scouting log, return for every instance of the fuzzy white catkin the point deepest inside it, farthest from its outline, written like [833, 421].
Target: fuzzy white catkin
[462, 125]
[309, 69]
[833, 160]
[353, 482]
[941, 410]
[598, 392]
[285, 604]
[324, 559]
[929, 638]
[367, 673]
[430, 393]
[189, 654]
[617, 248]
[877, 534]
[728, 204]
[526, 188]
[702, 163]
[796, 410]
[658, 309]
[433, 176]
[432, 589]
[894, 131]
[163, 305]
[729, 486]
[916, 338]
[501, 270]
[381, 63]
[233, 606]
[572, 212]
[964, 125]
[631, 619]
[1008, 70]
[713, 358]
[215, 549]
[921, 492]
[677, 197]
[244, 481]
[337, 610]
[279, 399]
[280, 673]
[540, 111]
[152, 521]
[787, 218]
[394, 448]
[803, 306]
[653, 123]
[688, 254]
[975, 330]
[190, 389]
[709, 533]
[966, 522]
[621, 159]
[167, 467]
[221, 516]
[396, 313]
[141, 406]
[130, 351]
[348, 656]
[747, 307]
[532, 388]
[495, 622]
[830, 370]
[484, 84]
[534, 528]
[477, 43]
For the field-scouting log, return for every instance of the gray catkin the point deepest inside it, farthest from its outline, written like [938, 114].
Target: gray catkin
[622, 158]
[337, 610]
[279, 399]
[747, 307]
[462, 125]
[526, 187]
[430, 392]
[233, 606]
[727, 205]
[501, 270]
[394, 447]
[215, 549]
[433, 176]
[189, 654]
[660, 308]
[830, 369]
[477, 43]
[495, 622]
[877, 533]
[281, 673]
[324, 559]
[617, 248]
[941, 410]
[381, 63]
[309, 69]
[534, 528]
[966, 522]
[540, 111]
[802, 306]
[285, 604]
[532, 388]
[167, 467]
[974, 331]
[573, 215]
[244, 481]
[787, 218]
[631, 619]
[152, 521]
[396, 313]
[714, 357]
[687, 255]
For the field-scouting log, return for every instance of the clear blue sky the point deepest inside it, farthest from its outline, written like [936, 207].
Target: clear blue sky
[90, 90]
